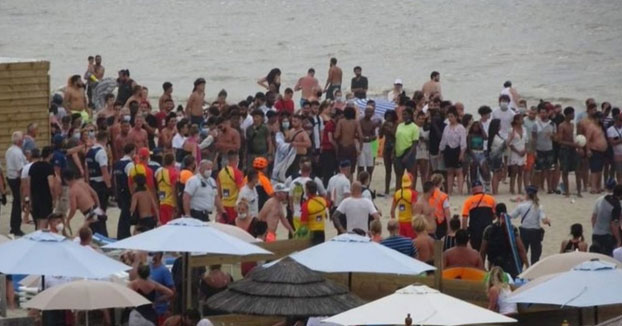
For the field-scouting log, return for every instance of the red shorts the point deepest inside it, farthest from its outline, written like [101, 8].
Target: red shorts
[166, 213]
[406, 230]
[270, 236]
[231, 215]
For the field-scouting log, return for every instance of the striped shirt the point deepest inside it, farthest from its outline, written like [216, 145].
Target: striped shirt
[401, 244]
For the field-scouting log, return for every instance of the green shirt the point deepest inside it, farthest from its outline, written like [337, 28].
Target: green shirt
[405, 136]
[256, 138]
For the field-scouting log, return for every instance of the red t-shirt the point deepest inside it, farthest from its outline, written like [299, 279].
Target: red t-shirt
[161, 119]
[285, 105]
[329, 127]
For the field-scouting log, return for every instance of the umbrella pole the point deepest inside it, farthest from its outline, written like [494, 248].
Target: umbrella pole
[87, 318]
[350, 281]
[595, 315]
[581, 316]
[187, 296]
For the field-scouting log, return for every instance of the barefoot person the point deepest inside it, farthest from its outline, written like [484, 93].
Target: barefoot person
[333, 82]
[422, 207]
[308, 85]
[568, 157]
[194, 106]
[347, 135]
[433, 86]
[595, 149]
[75, 99]
[82, 197]
[273, 212]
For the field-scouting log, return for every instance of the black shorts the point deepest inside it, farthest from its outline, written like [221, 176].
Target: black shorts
[568, 159]
[452, 158]
[545, 160]
[597, 161]
[317, 237]
[148, 223]
[40, 210]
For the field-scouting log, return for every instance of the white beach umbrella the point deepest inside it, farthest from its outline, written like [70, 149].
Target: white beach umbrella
[188, 235]
[46, 253]
[351, 253]
[589, 284]
[426, 306]
[559, 263]
[234, 231]
[86, 295]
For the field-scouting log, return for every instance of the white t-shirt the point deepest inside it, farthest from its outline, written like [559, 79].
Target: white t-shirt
[357, 211]
[25, 170]
[202, 193]
[506, 120]
[617, 254]
[246, 122]
[251, 197]
[178, 141]
[338, 187]
[15, 161]
[612, 133]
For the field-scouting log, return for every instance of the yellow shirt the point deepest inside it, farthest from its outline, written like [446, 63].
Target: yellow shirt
[314, 213]
[404, 200]
[228, 186]
[166, 179]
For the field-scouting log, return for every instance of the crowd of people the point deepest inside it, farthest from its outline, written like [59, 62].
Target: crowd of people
[267, 161]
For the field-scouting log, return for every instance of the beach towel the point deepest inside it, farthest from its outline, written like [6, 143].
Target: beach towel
[284, 156]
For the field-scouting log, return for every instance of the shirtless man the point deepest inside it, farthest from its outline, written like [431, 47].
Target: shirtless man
[98, 69]
[582, 121]
[309, 85]
[167, 88]
[75, 99]
[122, 138]
[348, 135]
[165, 138]
[423, 208]
[595, 149]
[81, 197]
[194, 106]
[137, 96]
[273, 211]
[368, 126]
[299, 139]
[138, 136]
[432, 86]
[568, 157]
[144, 204]
[228, 140]
[461, 255]
[333, 82]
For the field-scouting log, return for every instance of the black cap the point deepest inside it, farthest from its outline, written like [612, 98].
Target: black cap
[345, 163]
[476, 183]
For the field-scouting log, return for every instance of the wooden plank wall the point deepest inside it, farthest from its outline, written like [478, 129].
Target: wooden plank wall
[24, 98]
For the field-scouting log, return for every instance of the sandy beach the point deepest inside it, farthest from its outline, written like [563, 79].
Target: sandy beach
[562, 211]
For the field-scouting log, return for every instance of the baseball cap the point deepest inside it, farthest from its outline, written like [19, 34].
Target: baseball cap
[476, 183]
[531, 189]
[279, 187]
[143, 152]
[610, 184]
[398, 82]
[345, 164]
[58, 140]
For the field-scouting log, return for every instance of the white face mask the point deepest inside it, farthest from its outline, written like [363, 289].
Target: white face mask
[242, 215]
[339, 99]
[60, 227]
[285, 124]
[504, 106]
[207, 174]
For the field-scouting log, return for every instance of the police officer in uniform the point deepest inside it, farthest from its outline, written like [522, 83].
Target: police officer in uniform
[99, 177]
[123, 195]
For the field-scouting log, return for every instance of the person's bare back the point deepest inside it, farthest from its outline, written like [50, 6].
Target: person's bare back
[423, 207]
[430, 87]
[271, 213]
[462, 257]
[83, 196]
[347, 132]
[425, 247]
[144, 204]
[336, 75]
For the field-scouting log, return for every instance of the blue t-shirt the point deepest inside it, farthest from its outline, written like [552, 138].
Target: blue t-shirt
[59, 160]
[162, 275]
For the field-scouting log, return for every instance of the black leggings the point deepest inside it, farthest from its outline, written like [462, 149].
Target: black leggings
[532, 238]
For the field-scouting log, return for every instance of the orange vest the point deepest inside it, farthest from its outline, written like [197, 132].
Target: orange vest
[436, 201]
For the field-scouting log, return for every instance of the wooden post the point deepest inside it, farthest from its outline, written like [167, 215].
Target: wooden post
[3, 301]
[187, 285]
[438, 263]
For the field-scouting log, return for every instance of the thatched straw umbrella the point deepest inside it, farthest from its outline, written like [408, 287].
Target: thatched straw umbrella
[284, 289]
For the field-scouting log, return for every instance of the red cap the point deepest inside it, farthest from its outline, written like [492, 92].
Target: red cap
[143, 152]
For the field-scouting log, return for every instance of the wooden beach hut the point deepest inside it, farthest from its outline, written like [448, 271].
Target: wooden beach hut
[24, 98]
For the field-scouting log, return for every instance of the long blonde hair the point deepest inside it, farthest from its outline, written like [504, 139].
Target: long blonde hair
[495, 278]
